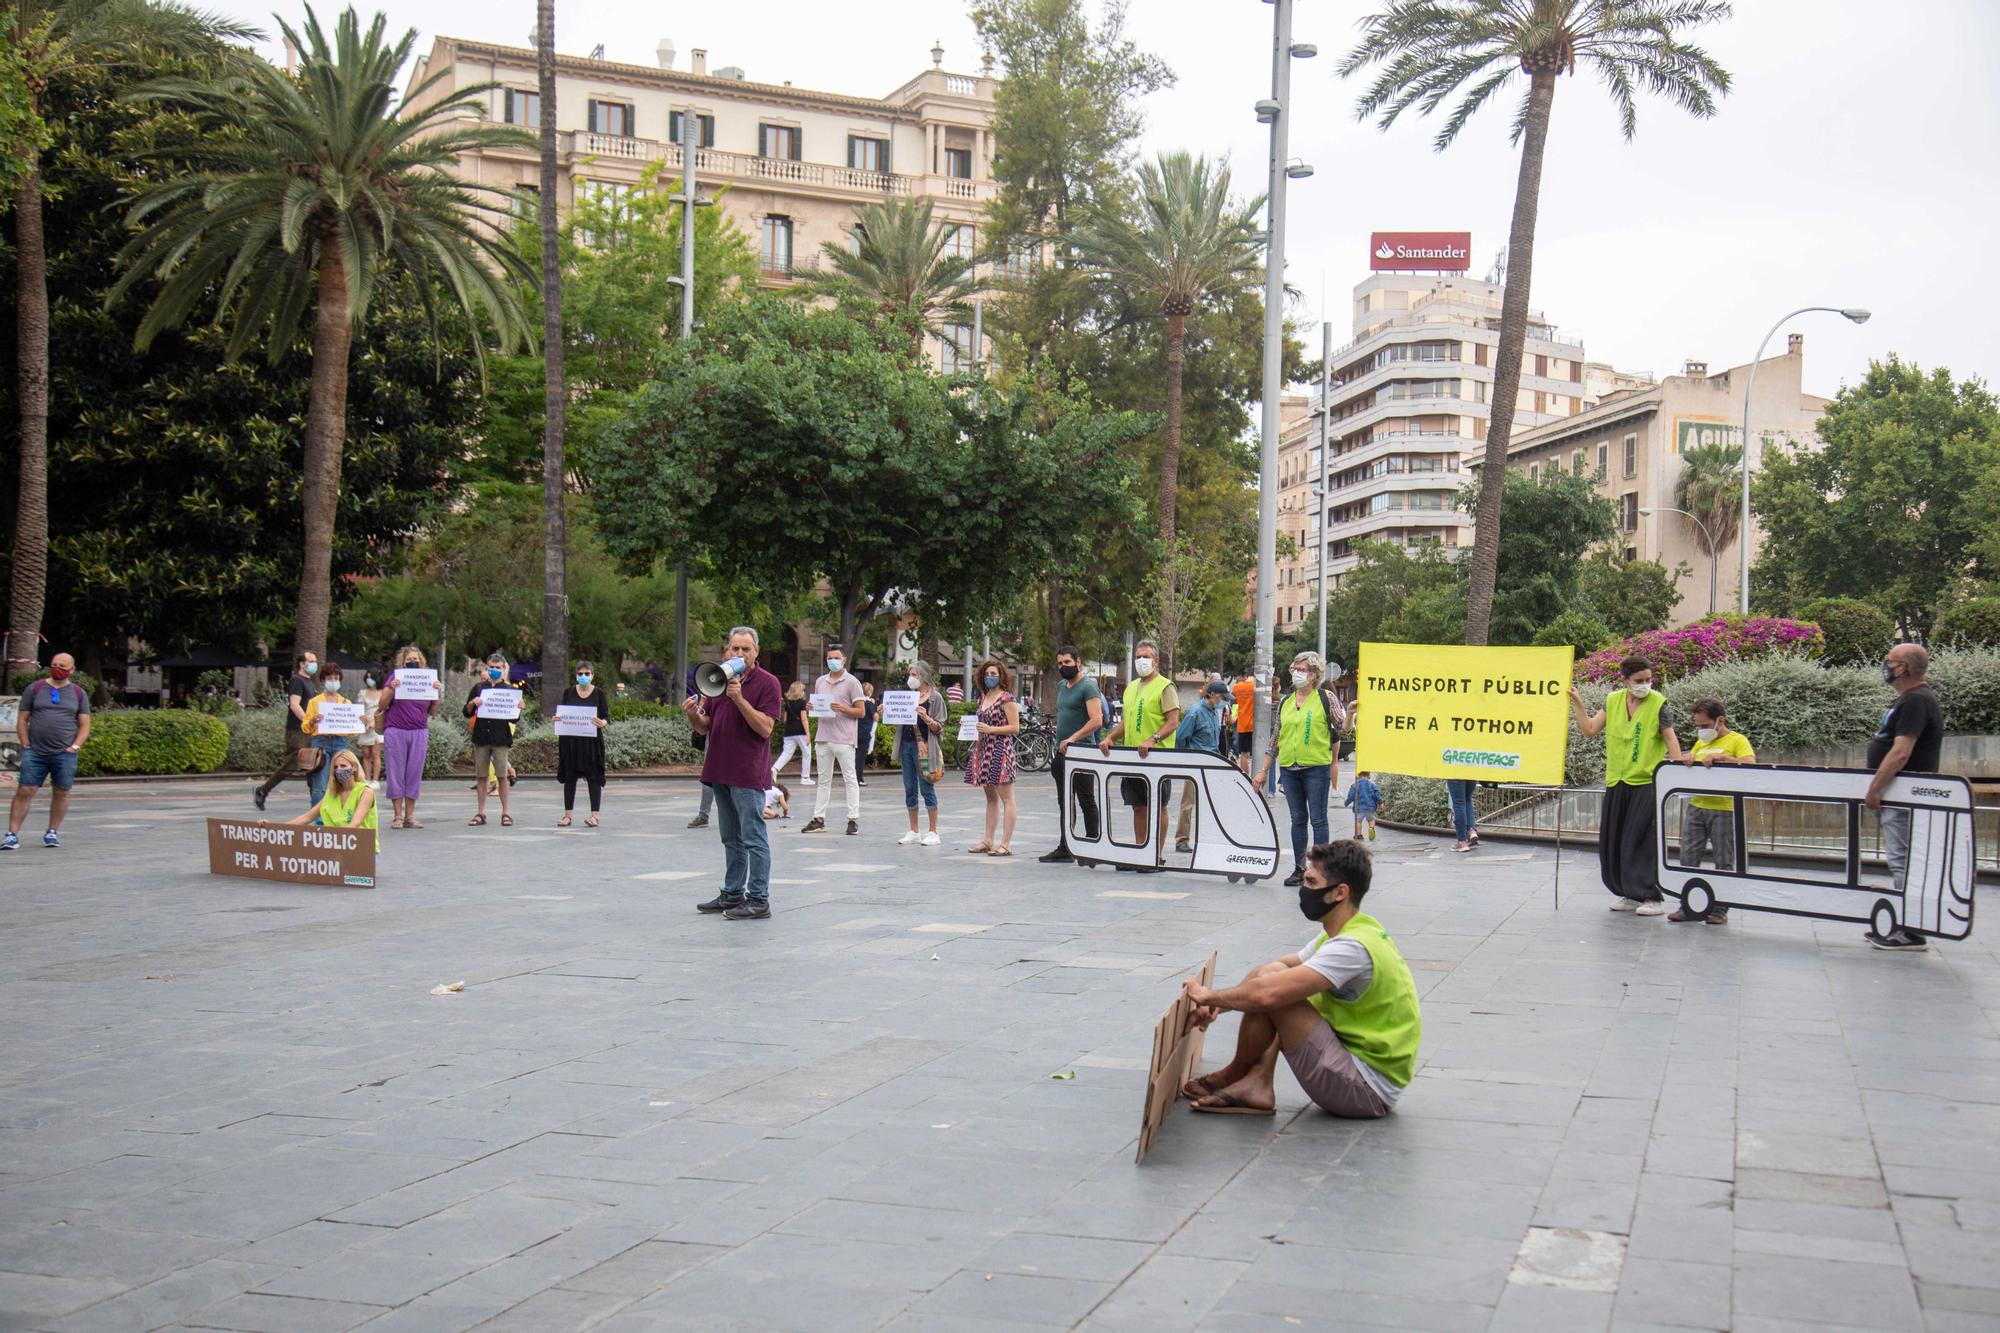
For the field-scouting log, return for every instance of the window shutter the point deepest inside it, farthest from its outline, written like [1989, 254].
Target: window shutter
[798, 140]
[763, 138]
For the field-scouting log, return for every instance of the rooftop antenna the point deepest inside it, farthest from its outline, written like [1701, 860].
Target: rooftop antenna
[1497, 275]
[597, 52]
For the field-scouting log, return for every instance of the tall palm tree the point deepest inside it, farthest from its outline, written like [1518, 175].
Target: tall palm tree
[48, 40]
[897, 269]
[1432, 51]
[302, 192]
[1184, 243]
[1710, 486]
[555, 398]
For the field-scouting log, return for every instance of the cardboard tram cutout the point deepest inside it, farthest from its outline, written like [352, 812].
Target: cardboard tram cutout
[1823, 878]
[1193, 793]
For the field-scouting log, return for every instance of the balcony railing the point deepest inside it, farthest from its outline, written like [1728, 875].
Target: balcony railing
[785, 171]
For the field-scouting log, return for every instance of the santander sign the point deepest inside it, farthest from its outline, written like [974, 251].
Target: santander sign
[1390, 251]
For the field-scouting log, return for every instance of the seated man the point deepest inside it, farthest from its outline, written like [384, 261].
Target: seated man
[1343, 1009]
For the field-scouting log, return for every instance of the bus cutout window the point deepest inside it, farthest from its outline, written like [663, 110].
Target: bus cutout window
[1177, 799]
[1084, 806]
[1796, 840]
[1125, 823]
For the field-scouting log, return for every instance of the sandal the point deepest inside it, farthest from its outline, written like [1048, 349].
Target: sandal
[1002, 850]
[397, 822]
[411, 823]
[591, 822]
[506, 821]
[564, 821]
[476, 821]
[1228, 1104]
[1203, 1081]
[980, 846]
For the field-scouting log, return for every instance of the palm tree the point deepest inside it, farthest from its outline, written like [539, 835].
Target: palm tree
[1432, 51]
[1184, 244]
[48, 41]
[555, 399]
[898, 270]
[1710, 487]
[303, 191]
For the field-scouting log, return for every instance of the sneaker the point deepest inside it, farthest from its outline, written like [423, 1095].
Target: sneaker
[1681, 915]
[9, 843]
[814, 825]
[909, 839]
[1624, 905]
[748, 910]
[1461, 847]
[853, 827]
[1184, 847]
[1473, 837]
[1371, 833]
[807, 782]
[1899, 941]
[1653, 908]
[930, 840]
[259, 797]
[699, 821]
[51, 839]
[1055, 857]
[1296, 878]
[717, 904]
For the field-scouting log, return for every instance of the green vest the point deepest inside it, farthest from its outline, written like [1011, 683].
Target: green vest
[336, 813]
[1383, 1027]
[1146, 710]
[1303, 738]
[1633, 746]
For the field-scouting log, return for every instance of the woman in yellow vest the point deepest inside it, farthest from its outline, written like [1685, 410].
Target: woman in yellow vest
[1638, 731]
[349, 802]
[1304, 747]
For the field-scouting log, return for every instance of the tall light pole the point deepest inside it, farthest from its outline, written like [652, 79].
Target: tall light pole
[1274, 111]
[1665, 509]
[690, 142]
[1325, 465]
[1859, 316]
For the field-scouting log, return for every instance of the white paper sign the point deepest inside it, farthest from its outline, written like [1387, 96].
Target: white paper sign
[501, 704]
[339, 719]
[416, 683]
[819, 705]
[968, 727]
[899, 708]
[576, 720]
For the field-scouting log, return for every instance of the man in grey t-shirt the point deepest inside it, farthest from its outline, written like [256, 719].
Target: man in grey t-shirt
[52, 725]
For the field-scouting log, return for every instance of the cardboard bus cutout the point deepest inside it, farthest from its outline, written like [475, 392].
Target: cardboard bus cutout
[1936, 896]
[1194, 797]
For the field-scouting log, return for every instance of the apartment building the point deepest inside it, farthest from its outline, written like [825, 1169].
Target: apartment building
[1632, 443]
[799, 164]
[1298, 475]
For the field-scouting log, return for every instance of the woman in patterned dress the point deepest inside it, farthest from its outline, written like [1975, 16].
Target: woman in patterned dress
[992, 763]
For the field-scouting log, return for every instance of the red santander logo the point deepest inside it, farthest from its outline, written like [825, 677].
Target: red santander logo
[1391, 251]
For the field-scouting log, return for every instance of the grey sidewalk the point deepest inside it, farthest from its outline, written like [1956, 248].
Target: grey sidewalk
[237, 1106]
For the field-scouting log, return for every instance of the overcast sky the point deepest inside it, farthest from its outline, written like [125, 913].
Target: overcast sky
[1853, 164]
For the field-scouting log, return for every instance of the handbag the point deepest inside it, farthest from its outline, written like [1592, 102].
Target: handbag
[309, 758]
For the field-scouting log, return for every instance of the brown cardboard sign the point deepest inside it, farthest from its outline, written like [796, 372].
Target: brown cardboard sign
[292, 854]
[1176, 1047]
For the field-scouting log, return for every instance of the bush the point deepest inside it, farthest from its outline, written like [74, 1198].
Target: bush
[1967, 681]
[256, 739]
[1973, 624]
[213, 694]
[1675, 653]
[624, 708]
[648, 742]
[1408, 800]
[1582, 631]
[449, 740]
[153, 740]
[1855, 630]
[21, 680]
[1786, 704]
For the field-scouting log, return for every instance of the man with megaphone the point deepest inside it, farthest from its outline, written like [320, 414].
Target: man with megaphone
[735, 705]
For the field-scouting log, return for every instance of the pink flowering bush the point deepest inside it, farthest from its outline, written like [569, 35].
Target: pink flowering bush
[1675, 653]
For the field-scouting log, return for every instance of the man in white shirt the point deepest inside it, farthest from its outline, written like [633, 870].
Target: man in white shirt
[835, 742]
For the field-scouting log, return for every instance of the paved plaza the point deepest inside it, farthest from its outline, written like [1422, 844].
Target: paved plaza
[231, 1105]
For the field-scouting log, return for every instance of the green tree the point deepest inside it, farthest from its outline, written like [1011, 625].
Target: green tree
[1710, 486]
[1432, 51]
[1580, 631]
[897, 271]
[1973, 623]
[1857, 632]
[1393, 595]
[1628, 596]
[1547, 526]
[49, 41]
[1888, 507]
[302, 190]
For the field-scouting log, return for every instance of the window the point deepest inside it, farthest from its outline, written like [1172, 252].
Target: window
[1083, 786]
[774, 251]
[523, 108]
[1534, 472]
[958, 163]
[958, 354]
[867, 154]
[778, 141]
[1631, 455]
[1603, 457]
[1576, 462]
[607, 201]
[958, 238]
[611, 118]
[528, 202]
[1628, 511]
[704, 128]
[1017, 264]
[1631, 554]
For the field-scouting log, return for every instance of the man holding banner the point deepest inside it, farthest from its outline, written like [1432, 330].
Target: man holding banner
[1638, 730]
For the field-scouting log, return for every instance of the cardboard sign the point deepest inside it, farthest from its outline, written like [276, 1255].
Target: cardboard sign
[899, 708]
[416, 683]
[576, 720]
[500, 703]
[1176, 1047]
[339, 719]
[343, 858]
[819, 705]
[968, 726]
[1447, 711]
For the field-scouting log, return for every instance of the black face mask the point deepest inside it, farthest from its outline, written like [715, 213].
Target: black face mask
[1312, 903]
[1067, 672]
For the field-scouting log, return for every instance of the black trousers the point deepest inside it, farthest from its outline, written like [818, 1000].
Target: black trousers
[1086, 802]
[1626, 857]
[569, 792]
[294, 742]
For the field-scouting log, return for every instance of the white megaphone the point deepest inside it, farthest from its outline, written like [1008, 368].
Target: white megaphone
[711, 679]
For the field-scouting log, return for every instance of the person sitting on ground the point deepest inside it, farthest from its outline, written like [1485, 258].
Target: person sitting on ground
[1343, 1009]
[1710, 821]
[349, 802]
[1365, 798]
[778, 802]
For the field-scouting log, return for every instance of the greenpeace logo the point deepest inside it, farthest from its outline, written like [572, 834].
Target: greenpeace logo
[1482, 759]
[1259, 861]
[1943, 793]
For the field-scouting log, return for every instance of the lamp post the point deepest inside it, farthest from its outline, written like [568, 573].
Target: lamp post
[1275, 112]
[1855, 314]
[1668, 509]
[1325, 490]
[690, 142]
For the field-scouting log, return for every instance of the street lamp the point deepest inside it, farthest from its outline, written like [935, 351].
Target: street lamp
[1664, 509]
[1855, 314]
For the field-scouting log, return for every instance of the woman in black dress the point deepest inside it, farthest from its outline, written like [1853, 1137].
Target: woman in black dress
[583, 756]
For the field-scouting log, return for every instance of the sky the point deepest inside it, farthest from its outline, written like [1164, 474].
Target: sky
[1852, 164]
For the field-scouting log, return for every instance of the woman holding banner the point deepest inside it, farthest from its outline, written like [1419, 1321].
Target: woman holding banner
[406, 734]
[1638, 731]
[327, 743]
[492, 738]
[920, 753]
[583, 756]
[1304, 746]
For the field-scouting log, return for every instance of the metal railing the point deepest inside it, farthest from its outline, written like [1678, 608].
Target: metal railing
[747, 166]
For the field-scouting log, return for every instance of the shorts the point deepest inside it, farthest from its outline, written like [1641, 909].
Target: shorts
[1331, 1076]
[494, 756]
[1245, 742]
[56, 769]
[1136, 791]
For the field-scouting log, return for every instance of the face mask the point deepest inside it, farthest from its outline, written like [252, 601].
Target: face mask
[1888, 673]
[1638, 691]
[368, 681]
[1142, 666]
[1068, 672]
[331, 685]
[916, 682]
[992, 681]
[343, 775]
[583, 678]
[414, 665]
[58, 674]
[1704, 733]
[492, 673]
[834, 666]
[310, 668]
[1312, 903]
[1301, 677]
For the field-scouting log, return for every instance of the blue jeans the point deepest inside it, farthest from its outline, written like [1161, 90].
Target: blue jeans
[328, 746]
[1463, 821]
[914, 781]
[1306, 790]
[746, 847]
[59, 769]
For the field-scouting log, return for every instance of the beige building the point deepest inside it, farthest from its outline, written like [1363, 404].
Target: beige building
[1296, 479]
[799, 163]
[1633, 441]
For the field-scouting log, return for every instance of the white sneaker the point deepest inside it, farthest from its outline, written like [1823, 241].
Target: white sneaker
[930, 840]
[1624, 905]
[806, 782]
[1654, 908]
[907, 839]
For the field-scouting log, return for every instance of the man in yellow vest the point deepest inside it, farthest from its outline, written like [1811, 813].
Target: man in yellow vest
[1343, 1009]
[1638, 730]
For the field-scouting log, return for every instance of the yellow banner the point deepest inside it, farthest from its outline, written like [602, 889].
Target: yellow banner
[1446, 711]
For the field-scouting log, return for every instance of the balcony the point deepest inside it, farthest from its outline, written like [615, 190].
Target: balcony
[818, 177]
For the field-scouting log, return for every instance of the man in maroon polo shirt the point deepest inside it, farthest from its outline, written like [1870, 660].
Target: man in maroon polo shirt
[737, 768]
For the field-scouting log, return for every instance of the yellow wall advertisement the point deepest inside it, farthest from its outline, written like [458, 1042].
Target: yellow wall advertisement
[1447, 711]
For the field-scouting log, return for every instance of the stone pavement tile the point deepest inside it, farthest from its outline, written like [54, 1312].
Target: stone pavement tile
[1615, 1168]
[1946, 1182]
[777, 1256]
[370, 1277]
[1587, 1205]
[1824, 1290]
[1803, 1187]
[931, 1322]
[1671, 1291]
[726, 1223]
[1801, 1246]
[1252, 1304]
[1525, 1308]
[643, 1269]
[556, 1308]
[1167, 1292]
[1981, 1301]
[47, 1296]
[128, 1258]
[429, 1314]
[230, 1217]
[702, 1298]
[1012, 1183]
[552, 1262]
[1699, 1233]
[1035, 1300]
[314, 1170]
[1950, 1257]
[1040, 1254]
[1686, 1155]
[302, 1245]
[898, 1224]
[1469, 1278]
[1811, 1154]
[175, 1296]
[1874, 1225]
[255, 1313]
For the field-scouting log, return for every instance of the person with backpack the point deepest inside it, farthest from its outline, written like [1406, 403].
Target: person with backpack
[1304, 746]
[52, 724]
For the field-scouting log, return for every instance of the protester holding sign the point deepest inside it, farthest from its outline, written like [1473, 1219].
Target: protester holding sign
[1638, 730]
[492, 737]
[582, 757]
[839, 707]
[326, 744]
[406, 704]
[349, 802]
[992, 763]
[1304, 746]
[919, 750]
